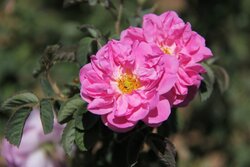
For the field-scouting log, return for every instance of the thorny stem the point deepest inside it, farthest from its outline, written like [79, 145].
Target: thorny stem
[119, 17]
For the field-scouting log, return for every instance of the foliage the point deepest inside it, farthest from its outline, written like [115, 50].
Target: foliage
[14, 127]
[47, 116]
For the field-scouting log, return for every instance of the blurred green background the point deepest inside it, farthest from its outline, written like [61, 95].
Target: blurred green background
[215, 133]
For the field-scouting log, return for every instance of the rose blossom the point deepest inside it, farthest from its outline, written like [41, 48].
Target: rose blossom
[125, 83]
[31, 152]
[175, 39]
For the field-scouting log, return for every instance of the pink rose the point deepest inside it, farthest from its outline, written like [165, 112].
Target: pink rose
[175, 39]
[127, 82]
[30, 152]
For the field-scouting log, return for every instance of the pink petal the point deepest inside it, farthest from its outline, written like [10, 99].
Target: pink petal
[152, 27]
[101, 106]
[180, 89]
[85, 97]
[134, 100]
[139, 114]
[170, 74]
[117, 124]
[96, 89]
[184, 79]
[83, 71]
[131, 34]
[159, 114]
[153, 99]
[166, 83]
[121, 106]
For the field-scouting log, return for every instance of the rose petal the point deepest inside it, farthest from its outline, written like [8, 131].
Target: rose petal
[117, 124]
[121, 105]
[100, 106]
[159, 114]
[139, 113]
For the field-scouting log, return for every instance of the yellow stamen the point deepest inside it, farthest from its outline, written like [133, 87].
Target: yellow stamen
[166, 50]
[127, 83]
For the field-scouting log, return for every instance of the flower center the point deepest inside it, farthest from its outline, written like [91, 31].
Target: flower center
[128, 82]
[166, 50]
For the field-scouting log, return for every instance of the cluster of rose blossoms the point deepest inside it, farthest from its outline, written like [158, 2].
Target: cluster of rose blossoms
[146, 73]
[32, 151]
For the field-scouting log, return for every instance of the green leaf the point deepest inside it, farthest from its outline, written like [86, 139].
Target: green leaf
[163, 148]
[222, 78]
[68, 137]
[209, 80]
[84, 50]
[90, 31]
[54, 54]
[15, 125]
[65, 54]
[19, 100]
[79, 140]
[135, 21]
[47, 57]
[169, 156]
[79, 118]
[46, 87]
[47, 115]
[68, 109]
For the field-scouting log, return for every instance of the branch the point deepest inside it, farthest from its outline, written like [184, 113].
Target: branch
[55, 87]
[119, 17]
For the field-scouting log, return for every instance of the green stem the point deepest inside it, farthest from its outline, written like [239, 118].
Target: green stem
[119, 17]
[55, 87]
